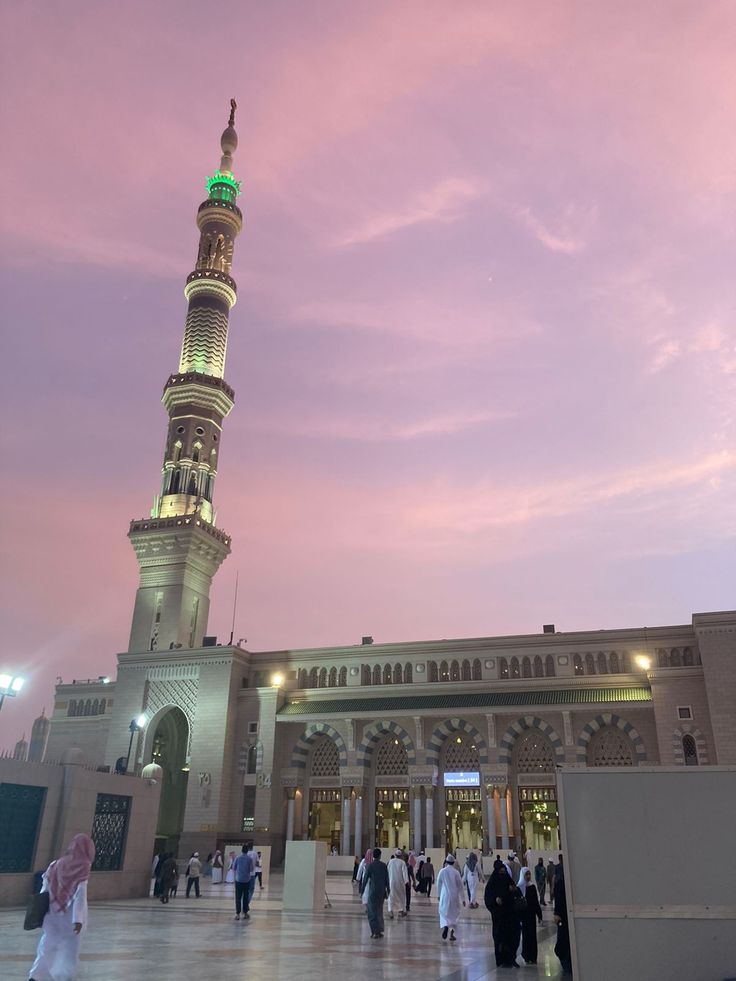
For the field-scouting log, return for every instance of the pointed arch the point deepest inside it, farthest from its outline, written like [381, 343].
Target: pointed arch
[549, 666]
[602, 663]
[609, 719]
[477, 670]
[388, 676]
[577, 665]
[398, 674]
[513, 732]
[515, 669]
[454, 671]
[465, 670]
[373, 735]
[444, 671]
[614, 663]
[503, 668]
[313, 678]
[302, 678]
[538, 667]
[445, 729]
[408, 673]
[332, 678]
[365, 674]
[432, 671]
[589, 663]
[526, 667]
[376, 674]
[301, 750]
[323, 677]
[701, 746]
[342, 677]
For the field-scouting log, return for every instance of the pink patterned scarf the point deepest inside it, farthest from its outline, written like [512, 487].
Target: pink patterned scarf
[73, 867]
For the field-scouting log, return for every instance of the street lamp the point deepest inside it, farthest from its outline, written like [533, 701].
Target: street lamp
[136, 725]
[10, 685]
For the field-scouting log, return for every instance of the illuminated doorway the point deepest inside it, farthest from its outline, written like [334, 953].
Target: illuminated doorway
[464, 819]
[324, 817]
[540, 828]
[168, 748]
[392, 818]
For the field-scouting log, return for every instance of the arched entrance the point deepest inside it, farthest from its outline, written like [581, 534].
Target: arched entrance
[463, 808]
[168, 736]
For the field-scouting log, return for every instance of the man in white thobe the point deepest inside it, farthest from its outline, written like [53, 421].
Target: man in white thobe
[398, 878]
[450, 894]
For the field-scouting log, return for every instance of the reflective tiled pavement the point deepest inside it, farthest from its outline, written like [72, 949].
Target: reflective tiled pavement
[200, 939]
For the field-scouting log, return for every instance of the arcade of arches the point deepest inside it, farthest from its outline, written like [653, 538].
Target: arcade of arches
[392, 803]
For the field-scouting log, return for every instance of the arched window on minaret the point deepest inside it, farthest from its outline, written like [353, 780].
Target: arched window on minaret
[193, 484]
[175, 482]
[177, 451]
[196, 450]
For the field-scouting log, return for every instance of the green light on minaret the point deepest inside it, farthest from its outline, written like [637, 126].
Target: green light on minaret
[223, 185]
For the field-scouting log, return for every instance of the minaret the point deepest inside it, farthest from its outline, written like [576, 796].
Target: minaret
[39, 738]
[179, 549]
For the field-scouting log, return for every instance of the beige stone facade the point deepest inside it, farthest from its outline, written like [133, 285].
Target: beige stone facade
[353, 744]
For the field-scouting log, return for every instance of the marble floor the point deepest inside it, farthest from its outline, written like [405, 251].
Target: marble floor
[200, 939]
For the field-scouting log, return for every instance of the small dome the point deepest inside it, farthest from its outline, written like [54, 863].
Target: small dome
[73, 757]
[229, 140]
[152, 772]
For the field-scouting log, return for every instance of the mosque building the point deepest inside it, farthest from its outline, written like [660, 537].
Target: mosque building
[444, 743]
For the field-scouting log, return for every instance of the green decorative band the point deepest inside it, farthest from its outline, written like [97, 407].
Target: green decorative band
[226, 179]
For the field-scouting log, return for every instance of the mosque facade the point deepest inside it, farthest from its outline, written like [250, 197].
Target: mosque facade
[446, 743]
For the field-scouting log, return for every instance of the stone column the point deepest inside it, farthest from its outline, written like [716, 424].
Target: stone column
[491, 812]
[504, 818]
[417, 829]
[358, 848]
[347, 794]
[429, 815]
[290, 795]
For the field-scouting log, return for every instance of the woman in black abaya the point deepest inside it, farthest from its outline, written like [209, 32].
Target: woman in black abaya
[500, 896]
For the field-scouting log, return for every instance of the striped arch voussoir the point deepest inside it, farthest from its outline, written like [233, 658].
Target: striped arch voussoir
[686, 729]
[301, 750]
[529, 722]
[373, 735]
[445, 729]
[609, 719]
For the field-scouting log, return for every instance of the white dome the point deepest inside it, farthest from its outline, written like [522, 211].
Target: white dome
[152, 772]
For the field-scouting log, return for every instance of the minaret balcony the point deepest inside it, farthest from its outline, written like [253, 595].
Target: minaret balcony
[195, 388]
[182, 521]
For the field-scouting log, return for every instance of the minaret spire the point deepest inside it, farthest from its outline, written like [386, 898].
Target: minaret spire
[177, 567]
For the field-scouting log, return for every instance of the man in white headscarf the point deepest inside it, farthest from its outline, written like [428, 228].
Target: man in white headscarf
[450, 894]
[398, 877]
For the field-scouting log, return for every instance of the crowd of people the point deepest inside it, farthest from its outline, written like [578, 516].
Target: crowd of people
[514, 896]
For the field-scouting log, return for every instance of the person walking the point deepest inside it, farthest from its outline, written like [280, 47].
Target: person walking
[562, 947]
[411, 881]
[194, 870]
[356, 866]
[217, 864]
[169, 876]
[242, 872]
[375, 884]
[500, 895]
[426, 877]
[450, 893]
[551, 880]
[514, 867]
[259, 871]
[230, 876]
[540, 879]
[65, 880]
[398, 878]
[472, 876]
[528, 917]
[253, 869]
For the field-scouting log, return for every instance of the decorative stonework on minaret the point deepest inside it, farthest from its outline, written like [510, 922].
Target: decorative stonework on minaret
[179, 549]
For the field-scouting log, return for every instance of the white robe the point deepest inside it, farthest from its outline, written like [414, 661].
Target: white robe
[57, 957]
[471, 879]
[230, 877]
[359, 879]
[450, 895]
[398, 877]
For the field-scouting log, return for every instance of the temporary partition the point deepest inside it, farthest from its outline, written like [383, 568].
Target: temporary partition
[649, 867]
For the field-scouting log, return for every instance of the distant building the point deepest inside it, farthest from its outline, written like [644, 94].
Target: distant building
[39, 737]
[450, 743]
[21, 749]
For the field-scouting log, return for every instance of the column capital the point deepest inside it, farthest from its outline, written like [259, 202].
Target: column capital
[290, 793]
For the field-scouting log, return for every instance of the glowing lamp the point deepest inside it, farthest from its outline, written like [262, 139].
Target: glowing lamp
[277, 680]
[644, 661]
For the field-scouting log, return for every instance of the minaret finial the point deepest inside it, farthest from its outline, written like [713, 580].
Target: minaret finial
[233, 107]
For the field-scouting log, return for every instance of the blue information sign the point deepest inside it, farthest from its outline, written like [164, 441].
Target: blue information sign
[462, 779]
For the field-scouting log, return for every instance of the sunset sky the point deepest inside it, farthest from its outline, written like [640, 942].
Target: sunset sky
[484, 351]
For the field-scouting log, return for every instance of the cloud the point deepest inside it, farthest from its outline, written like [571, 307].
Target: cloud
[444, 202]
[566, 238]
[666, 353]
[374, 430]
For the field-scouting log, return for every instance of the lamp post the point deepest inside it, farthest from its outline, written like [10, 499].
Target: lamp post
[10, 685]
[136, 725]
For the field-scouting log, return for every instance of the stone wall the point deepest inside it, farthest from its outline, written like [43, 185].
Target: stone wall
[68, 809]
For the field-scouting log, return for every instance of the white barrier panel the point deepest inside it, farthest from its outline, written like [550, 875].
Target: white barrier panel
[341, 863]
[649, 867]
[305, 871]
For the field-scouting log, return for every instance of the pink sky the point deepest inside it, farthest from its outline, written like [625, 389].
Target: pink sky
[485, 346]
